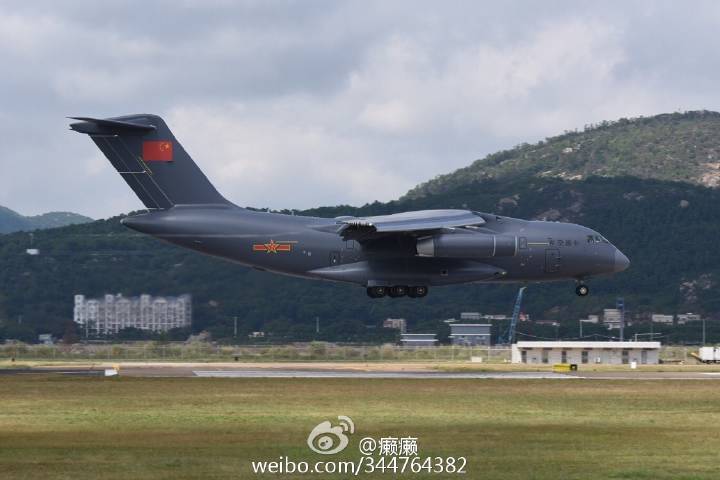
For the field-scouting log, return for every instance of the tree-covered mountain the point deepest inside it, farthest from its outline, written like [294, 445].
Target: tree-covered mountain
[11, 221]
[669, 230]
[683, 147]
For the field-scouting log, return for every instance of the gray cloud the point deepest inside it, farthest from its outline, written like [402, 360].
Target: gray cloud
[306, 103]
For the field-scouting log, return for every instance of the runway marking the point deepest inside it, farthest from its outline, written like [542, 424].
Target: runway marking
[399, 375]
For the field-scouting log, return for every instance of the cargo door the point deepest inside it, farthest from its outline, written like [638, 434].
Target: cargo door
[350, 252]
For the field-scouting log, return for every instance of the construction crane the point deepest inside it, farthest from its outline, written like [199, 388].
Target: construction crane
[508, 336]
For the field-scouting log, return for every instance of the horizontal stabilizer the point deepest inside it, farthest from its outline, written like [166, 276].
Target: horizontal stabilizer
[98, 126]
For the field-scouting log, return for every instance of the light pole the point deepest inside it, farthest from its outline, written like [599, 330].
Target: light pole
[581, 325]
[620, 305]
[703, 338]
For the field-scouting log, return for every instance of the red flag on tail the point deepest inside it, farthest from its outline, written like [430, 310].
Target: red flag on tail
[157, 151]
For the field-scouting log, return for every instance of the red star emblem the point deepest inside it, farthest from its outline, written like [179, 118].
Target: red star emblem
[272, 247]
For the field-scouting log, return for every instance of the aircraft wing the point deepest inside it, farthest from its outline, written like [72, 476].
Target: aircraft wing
[411, 223]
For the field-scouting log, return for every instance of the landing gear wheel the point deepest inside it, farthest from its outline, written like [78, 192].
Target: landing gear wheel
[582, 290]
[377, 292]
[398, 291]
[417, 292]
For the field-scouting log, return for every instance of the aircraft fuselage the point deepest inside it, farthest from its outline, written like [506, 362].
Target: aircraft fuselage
[397, 255]
[309, 247]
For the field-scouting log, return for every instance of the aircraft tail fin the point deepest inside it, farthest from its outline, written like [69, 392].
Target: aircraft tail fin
[153, 163]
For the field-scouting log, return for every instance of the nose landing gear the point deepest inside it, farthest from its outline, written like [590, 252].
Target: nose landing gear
[582, 290]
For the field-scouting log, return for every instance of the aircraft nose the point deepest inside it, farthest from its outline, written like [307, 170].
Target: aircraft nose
[621, 261]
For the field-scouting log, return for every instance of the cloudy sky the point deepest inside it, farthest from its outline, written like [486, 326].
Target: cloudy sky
[294, 104]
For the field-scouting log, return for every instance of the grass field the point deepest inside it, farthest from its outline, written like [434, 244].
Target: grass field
[139, 428]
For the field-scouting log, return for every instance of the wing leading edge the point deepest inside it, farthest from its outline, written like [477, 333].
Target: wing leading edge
[407, 222]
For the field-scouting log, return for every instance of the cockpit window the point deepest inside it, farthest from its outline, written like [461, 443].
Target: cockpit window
[596, 239]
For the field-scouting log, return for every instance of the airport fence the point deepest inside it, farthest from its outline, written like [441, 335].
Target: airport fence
[305, 352]
[312, 352]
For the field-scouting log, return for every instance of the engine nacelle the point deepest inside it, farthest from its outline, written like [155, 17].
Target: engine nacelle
[461, 245]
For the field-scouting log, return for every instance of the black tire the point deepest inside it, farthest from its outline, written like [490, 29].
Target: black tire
[377, 291]
[582, 290]
[418, 291]
[398, 291]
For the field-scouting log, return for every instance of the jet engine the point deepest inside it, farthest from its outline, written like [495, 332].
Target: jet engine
[461, 245]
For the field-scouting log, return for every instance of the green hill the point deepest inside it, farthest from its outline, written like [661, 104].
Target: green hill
[667, 228]
[11, 221]
[683, 147]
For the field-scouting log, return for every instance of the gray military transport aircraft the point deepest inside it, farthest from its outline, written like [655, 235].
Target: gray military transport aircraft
[396, 255]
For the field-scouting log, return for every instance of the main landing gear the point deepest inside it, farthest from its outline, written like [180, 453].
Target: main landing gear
[397, 291]
[582, 290]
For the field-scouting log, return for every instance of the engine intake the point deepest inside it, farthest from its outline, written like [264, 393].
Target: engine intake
[476, 245]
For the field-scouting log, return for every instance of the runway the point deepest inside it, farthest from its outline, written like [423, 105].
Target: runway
[57, 371]
[356, 374]
[393, 371]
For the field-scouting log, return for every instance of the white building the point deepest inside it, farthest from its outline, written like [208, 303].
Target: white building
[591, 319]
[489, 317]
[586, 352]
[113, 313]
[470, 334]
[612, 317]
[473, 317]
[418, 339]
[661, 318]
[396, 324]
[684, 318]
